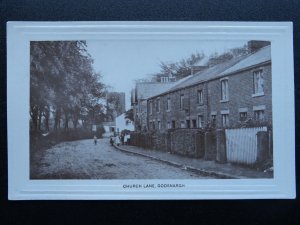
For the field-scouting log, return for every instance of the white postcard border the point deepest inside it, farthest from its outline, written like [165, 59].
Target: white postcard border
[280, 35]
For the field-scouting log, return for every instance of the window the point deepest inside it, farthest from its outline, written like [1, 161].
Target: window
[182, 124]
[181, 101]
[158, 125]
[158, 105]
[225, 120]
[224, 90]
[258, 82]
[243, 116]
[188, 124]
[259, 115]
[173, 124]
[168, 104]
[169, 125]
[164, 79]
[200, 121]
[150, 107]
[200, 97]
[213, 119]
[194, 123]
[153, 125]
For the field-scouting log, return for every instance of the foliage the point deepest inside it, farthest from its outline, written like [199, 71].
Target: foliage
[216, 58]
[114, 105]
[129, 115]
[62, 84]
[183, 67]
[179, 69]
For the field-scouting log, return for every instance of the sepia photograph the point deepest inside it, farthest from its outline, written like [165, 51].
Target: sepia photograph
[150, 110]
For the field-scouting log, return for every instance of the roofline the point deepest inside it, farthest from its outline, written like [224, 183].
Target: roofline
[215, 78]
[247, 68]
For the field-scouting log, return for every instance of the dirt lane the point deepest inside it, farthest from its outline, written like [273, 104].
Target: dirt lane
[84, 160]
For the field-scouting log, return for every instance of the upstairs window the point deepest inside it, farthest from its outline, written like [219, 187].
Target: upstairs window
[150, 107]
[224, 90]
[200, 97]
[158, 105]
[258, 82]
[168, 104]
[181, 101]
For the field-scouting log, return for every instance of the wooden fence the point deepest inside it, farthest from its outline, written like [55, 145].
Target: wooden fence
[241, 145]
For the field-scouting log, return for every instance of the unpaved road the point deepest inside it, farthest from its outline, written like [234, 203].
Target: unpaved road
[84, 160]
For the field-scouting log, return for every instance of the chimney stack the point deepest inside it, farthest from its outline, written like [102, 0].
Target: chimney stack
[255, 45]
[199, 66]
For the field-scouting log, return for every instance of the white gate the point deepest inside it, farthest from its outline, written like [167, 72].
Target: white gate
[241, 144]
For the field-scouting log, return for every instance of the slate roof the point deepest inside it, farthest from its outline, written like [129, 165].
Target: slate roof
[223, 69]
[207, 74]
[147, 90]
[261, 56]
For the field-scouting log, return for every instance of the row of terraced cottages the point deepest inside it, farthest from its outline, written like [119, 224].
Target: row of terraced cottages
[225, 95]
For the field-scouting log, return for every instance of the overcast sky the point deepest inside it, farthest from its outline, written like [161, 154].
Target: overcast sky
[122, 61]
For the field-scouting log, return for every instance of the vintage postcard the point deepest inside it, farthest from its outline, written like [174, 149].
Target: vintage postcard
[150, 110]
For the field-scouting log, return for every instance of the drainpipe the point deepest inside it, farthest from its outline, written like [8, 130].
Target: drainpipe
[207, 101]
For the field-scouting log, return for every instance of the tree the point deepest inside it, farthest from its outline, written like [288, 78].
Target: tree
[179, 69]
[216, 58]
[129, 115]
[114, 104]
[183, 67]
[62, 82]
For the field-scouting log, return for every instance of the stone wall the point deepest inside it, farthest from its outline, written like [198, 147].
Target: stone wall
[188, 142]
[184, 142]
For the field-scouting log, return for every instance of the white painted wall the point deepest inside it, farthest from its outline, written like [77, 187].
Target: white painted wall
[121, 123]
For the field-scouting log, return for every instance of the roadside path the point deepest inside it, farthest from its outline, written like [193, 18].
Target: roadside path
[200, 166]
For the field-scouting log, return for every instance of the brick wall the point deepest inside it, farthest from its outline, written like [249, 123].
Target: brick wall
[240, 88]
[176, 113]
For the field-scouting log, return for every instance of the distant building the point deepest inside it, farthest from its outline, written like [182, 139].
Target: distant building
[224, 95]
[109, 128]
[123, 124]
